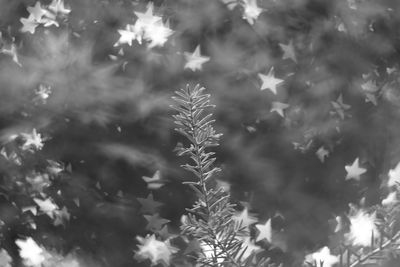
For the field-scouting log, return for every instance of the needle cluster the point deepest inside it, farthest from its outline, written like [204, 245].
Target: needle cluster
[210, 220]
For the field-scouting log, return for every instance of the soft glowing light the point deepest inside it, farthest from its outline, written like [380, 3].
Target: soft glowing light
[30, 252]
[251, 11]
[155, 250]
[362, 227]
[157, 34]
[32, 140]
[323, 256]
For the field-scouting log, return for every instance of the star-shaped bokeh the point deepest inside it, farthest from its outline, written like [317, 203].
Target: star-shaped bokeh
[155, 222]
[354, 171]
[288, 51]
[323, 257]
[195, 60]
[264, 231]
[279, 108]
[269, 81]
[149, 205]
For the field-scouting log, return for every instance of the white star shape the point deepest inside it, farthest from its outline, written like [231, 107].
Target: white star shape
[269, 81]
[288, 51]
[155, 250]
[279, 107]
[29, 24]
[128, 35]
[196, 60]
[354, 170]
[157, 34]
[265, 231]
[147, 19]
[251, 11]
[37, 12]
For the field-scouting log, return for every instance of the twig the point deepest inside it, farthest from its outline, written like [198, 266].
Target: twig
[375, 251]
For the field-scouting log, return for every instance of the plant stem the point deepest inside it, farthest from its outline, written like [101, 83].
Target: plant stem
[375, 251]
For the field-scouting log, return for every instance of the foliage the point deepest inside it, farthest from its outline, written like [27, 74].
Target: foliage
[210, 221]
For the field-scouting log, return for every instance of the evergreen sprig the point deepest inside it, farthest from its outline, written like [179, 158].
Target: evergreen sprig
[388, 244]
[210, 220]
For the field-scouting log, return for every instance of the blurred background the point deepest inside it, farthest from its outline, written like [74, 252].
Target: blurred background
[106, 114]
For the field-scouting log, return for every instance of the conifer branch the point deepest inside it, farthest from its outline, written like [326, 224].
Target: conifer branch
[210, 219]
[376, 251]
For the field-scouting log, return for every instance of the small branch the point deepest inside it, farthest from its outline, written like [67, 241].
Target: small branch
[377, 250]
